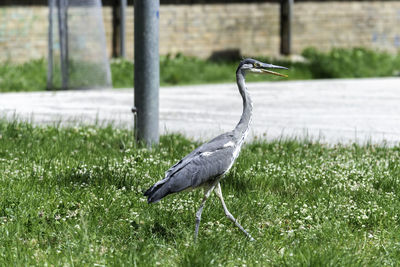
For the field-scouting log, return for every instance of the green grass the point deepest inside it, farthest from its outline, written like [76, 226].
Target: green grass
[351, 63]
[73, 196]
[180, 70]
[29, 76]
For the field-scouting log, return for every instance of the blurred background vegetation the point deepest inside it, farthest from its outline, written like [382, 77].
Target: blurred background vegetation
[179, 69]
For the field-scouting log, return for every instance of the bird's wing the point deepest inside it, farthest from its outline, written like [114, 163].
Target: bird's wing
[219, 142]
[204, 164]
[202, 168]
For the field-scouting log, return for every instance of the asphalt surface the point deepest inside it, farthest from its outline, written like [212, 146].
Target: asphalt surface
[330, 111]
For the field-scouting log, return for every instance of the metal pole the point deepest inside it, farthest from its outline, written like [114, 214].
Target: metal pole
[66, 33]
[115, 29]
[122, 28]
[286, 22]
[50, 48]
[147, 70]
[63, 42]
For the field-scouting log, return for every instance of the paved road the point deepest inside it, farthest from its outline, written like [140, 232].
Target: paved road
[331, 111]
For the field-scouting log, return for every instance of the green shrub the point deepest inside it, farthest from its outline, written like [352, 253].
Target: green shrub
[180, 69]
[122, 73]
[190, 70]
[29, 76]
[351, 63]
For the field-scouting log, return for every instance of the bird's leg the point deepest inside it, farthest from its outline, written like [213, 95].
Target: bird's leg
[228, 214]
[207, 193]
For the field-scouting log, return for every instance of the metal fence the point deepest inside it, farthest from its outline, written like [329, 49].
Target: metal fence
[77, 54]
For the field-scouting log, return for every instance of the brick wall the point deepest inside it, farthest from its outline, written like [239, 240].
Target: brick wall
[373, 24]
[201, 30]
[23, 33]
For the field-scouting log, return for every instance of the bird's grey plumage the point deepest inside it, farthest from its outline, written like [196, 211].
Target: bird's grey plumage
[207, 164]
[202, 166]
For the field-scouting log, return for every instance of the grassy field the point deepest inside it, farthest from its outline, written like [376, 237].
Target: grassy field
[73, 196]
[179, 70]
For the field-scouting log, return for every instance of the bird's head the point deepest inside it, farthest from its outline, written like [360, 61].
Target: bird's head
[255, 66]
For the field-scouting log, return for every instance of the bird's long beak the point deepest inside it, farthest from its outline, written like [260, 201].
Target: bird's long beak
[265, 69]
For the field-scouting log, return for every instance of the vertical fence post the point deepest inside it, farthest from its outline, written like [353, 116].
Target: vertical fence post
[147, 70]
[286, 22]
[115, 30]
[122, 17]
[63, 34]
[118, 28]
[50, 73]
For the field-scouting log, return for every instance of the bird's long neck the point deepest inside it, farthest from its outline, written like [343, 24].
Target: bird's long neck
[243, 126]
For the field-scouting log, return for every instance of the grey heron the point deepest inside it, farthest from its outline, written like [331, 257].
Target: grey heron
[206, 165]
